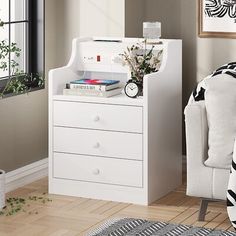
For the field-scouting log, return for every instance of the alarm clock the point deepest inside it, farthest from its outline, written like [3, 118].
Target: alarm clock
[133, 89]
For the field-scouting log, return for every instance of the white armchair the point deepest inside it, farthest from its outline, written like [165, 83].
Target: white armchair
[208, 183]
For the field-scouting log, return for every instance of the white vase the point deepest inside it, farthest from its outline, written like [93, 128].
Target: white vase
[2, 189]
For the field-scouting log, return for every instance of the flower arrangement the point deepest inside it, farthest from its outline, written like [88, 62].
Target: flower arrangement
[141, 61]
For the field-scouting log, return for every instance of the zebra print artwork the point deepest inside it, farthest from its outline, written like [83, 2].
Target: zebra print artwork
[220, 8]
[217, 18]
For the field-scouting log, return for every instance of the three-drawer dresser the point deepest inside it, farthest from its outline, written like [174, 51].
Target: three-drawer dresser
[117, 148]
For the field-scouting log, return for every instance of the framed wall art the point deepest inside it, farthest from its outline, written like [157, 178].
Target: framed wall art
[217, 18]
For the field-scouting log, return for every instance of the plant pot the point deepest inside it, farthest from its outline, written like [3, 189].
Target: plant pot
[2, 189]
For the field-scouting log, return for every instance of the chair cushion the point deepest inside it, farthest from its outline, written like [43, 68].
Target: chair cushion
[220, 99]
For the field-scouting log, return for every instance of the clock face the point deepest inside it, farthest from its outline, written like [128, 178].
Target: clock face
[131, 90]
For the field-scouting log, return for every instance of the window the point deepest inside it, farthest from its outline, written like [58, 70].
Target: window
[21, 46]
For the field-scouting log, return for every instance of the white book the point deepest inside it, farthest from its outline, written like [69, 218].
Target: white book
[92, 93]
[96, 87]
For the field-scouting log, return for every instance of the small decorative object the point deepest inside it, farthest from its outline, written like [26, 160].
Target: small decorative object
[217, 18]
[2, 189]
[141, 61]
[133, 89]
[151, 30]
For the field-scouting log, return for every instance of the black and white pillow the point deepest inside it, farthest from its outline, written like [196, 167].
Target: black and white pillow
[198, 93]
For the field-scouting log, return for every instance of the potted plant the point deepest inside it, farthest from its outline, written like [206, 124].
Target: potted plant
[140, 61]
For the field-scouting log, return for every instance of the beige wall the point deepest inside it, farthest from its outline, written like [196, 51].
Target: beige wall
[23, 119]
[167, 12]
[134, 15]
[23, 130]
[101, 18]
[84, 18]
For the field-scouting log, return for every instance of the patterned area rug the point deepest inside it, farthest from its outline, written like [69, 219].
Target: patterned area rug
[138, 227]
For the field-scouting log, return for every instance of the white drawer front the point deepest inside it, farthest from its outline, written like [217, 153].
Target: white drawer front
[98, 116]
[98, 143]
[98, 169]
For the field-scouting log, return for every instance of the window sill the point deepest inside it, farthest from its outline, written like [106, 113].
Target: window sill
[8, 95]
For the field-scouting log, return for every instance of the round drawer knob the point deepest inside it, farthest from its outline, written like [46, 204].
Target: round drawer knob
[97, 145]
[96, 118]
[96, 172]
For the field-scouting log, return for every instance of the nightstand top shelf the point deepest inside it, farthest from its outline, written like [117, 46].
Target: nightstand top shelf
[121, 99]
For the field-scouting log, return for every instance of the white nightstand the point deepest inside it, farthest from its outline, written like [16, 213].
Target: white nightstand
[118, 148]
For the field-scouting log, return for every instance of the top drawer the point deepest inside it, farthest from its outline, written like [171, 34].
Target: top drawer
[98, 116]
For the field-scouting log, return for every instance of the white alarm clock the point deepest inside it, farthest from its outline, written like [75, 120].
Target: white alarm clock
[133, 89]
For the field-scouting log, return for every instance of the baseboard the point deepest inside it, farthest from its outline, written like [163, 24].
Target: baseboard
[27, 174]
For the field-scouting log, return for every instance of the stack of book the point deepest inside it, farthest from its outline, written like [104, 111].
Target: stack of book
[93, 87]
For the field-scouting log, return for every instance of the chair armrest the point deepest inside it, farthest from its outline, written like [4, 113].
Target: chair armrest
[202, 181]
[196, 133]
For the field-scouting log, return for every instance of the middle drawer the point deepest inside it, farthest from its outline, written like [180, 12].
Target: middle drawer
[98, 143]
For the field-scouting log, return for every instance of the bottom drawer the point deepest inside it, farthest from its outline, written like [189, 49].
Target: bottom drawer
[97, 169]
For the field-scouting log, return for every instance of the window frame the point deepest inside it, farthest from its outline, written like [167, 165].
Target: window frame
[11, 22]
[34, 40]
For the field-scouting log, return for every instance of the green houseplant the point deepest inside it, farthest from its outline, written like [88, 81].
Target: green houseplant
[18, 82]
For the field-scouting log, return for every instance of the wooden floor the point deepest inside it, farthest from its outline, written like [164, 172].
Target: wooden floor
[69, 216]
